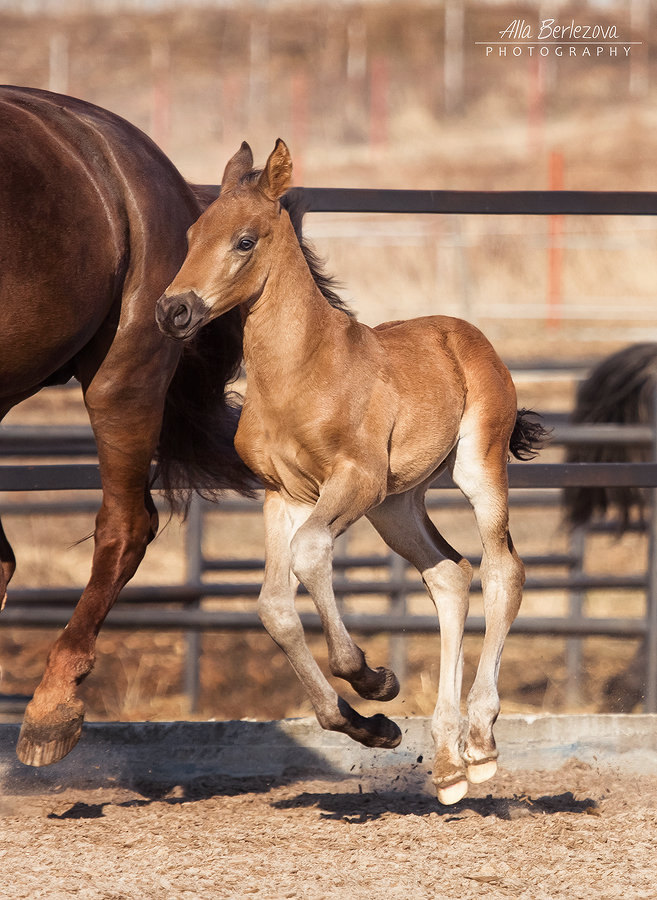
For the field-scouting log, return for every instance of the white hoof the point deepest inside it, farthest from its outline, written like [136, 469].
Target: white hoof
[451, 794]
[482, 771]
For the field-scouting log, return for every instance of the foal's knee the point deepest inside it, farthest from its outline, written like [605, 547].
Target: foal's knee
[280, 619]
[311, 551]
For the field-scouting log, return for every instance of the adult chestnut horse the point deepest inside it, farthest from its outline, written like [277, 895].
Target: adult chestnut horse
[341, 420]
[92, 228]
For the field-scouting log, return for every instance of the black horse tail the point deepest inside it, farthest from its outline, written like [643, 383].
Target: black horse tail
[620, 389]
[196, 450]
[528, 435]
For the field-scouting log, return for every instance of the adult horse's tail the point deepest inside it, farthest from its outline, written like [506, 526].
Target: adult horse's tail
[196, 450]
[619, 389]
[528, 435]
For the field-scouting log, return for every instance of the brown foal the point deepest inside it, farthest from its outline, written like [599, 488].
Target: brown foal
[341, 421]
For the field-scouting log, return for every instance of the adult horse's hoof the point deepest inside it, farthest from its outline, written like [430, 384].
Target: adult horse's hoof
[48, 739]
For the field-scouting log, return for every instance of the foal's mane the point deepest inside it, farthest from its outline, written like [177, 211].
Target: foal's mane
[296, 206]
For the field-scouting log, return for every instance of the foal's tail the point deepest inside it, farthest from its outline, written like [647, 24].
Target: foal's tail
[528, 436]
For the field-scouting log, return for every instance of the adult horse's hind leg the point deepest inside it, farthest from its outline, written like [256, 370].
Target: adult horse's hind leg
[403, 523]
[7, 566]
[125, 399]
[483, 478]
[279, 616]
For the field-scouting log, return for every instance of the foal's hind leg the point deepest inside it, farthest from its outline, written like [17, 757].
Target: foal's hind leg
[280, 618]
[125, 399]
[483, 478]
[404, 525]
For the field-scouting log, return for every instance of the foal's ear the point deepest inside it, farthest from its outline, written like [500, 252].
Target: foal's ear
[237, 167]
[276, 177]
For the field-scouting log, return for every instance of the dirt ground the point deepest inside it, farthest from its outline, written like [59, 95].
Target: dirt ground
[573, 833]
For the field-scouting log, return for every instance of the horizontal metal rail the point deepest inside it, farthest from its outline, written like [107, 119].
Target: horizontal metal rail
[78, 440]
[85, 476]
[534, 203]
[24, 604]
[226, 620]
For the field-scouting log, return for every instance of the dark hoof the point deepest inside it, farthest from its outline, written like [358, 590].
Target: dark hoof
[378, 731]
[389, 734]
[379, 684]
[47, 740]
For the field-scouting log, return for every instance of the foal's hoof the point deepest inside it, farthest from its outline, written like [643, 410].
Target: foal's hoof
[48, 739]
[481, 771]
[388, 733]
[449, 794]
[378, 684]
[375, 731]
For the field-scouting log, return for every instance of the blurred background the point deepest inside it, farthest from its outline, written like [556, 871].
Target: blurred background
[433, 95]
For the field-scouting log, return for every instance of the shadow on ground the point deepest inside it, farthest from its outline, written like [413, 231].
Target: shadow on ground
[367, 806]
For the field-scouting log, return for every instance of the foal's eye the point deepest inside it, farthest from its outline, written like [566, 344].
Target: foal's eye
[246, 244]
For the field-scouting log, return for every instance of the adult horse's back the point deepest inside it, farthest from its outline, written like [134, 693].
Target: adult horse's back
[93, 220]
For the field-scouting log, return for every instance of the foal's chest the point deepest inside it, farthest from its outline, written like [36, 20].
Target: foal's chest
[273, 449]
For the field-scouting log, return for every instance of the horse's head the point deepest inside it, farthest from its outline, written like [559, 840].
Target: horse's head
[230, 246]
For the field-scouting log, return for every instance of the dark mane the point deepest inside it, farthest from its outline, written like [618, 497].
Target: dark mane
[297, 207]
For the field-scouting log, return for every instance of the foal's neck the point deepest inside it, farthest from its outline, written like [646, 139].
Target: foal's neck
[284, 327]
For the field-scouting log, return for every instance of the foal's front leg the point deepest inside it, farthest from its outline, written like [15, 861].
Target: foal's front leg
[279, 616]
[344, 498]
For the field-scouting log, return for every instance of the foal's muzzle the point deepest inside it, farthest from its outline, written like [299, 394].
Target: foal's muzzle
[180, 315]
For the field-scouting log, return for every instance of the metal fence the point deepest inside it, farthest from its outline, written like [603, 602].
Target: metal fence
[180, 606]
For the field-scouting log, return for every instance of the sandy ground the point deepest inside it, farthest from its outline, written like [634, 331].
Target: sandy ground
[576, 833]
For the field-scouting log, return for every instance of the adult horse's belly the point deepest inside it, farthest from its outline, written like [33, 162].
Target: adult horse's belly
[61, 248]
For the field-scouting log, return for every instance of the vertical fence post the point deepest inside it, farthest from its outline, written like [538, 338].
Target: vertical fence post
[454, 57]
[299, 107]
[379, 89]
[555, 250]
[258, 71]
[354, 110]
[577, 547]
[58, 63]
[161, 93]
[194, 557]
[650, 704]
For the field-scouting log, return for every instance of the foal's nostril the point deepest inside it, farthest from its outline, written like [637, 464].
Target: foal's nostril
[182, 316]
